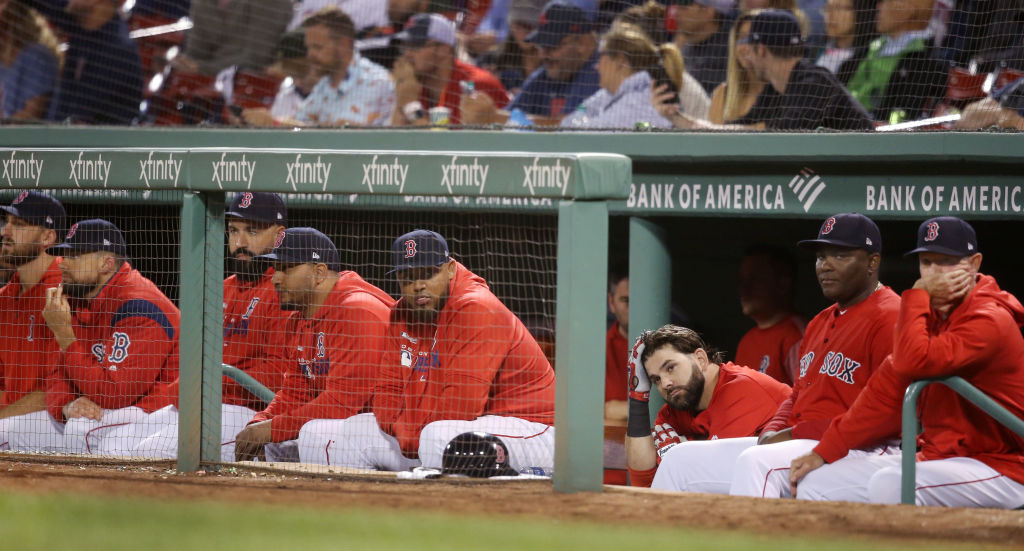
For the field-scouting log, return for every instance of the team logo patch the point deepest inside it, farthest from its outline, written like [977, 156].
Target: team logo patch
[71, 232]
[410, 248]
[279, 240]
[829, 225]
[805, 363]
[933, 231]
[499, 454]
[21, 197]
[838, 366]
[246, 200]
[765, 362]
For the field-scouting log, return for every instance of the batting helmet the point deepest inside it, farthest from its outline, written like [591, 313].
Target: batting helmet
[476, 454]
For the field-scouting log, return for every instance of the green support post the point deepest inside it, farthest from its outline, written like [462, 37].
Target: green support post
[201, 303]
[579, 351]
[650, 288]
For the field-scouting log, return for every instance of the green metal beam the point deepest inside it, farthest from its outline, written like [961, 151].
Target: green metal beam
[650, 284]
[190, 372]
[213, 327]
[579, 349]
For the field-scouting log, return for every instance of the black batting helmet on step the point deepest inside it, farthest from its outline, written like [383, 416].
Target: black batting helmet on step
[476, 454]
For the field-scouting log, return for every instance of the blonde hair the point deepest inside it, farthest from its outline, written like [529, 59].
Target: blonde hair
[632, 43]
[20, 26]
[737, 79]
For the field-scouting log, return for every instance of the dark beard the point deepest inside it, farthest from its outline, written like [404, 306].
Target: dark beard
[690, 397]
[424, 317]
[20, 255]
[247, 271]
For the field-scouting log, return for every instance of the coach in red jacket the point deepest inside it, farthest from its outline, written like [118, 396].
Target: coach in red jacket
[456, 360]
[118, 348]
[954, 321]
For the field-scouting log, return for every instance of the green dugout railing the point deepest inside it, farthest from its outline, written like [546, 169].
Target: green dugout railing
[579, 185]
[909, 436]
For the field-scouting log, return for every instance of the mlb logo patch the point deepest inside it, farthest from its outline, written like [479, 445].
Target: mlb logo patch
[71, 232]
[279, 240]
[21, 197]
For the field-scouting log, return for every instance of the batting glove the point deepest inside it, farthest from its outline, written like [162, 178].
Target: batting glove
[665, 437]
[639, 384]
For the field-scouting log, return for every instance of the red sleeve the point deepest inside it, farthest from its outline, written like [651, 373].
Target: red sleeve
[387, 394]
[642, 479]
[780, 420]
[874, 417]
[919, 355]
[490, 85]
[58, 392]
[355, 343]
[473, 347]
[295, 390]
[136, 351]
[743, 409]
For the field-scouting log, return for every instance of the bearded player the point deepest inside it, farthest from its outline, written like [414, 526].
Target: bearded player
[339, 331]
[705, 399]
[457, 360]
[32, 222]
[256, 339]
[842, 346]
[954, 321]
[118, 337]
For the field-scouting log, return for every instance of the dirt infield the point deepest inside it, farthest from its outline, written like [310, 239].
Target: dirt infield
[991, 528]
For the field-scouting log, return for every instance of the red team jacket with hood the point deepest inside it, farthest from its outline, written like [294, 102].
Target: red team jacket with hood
[126, 347]
[743, 402]
[27, 343]
[979, 341]
[337, 354]
[840, 351]
[477, 359]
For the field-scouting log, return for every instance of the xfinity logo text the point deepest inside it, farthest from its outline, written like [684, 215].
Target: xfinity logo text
[22, 169]
[384, 174]
[540, 176]
[157, 170]
[225, 171]
[464, 175]
[308, 172]
[95, 170]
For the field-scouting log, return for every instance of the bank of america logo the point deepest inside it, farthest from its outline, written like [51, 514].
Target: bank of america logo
[807, 186]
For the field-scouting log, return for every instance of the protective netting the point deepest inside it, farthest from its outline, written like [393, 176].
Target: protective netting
[583, 64]
[343, 375]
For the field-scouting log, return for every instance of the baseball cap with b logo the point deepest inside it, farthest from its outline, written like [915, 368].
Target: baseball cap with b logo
[259, 206]
[558, 20]
[425, 27]
[304, 246]
[95, 234]
[848, 229]
[38, 209]
[417, 249]
[946, 235]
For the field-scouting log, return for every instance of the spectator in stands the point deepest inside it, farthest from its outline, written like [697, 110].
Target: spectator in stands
[516, 58]
[568, 50]
[228, 33]
[650, 18]
[375, 42]
[300, 76]
[101, 79]
[989, 33]
[1005, 109]
[767, 289]
[901, 76]
[808, 13]
[801, 95]
[703, 36]
[850, 25]
[353, 90]
[733, 99]
[29, 62]
[629, 64]
[365, 14]
[429, 75]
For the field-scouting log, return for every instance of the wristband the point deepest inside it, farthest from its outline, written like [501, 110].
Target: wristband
[414, 111]
[638, 424]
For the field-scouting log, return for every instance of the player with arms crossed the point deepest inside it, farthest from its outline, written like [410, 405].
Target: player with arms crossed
[842, 347]
[27, 347]
[255, 336]
[705, 399]
[457, 360]
[119, 346]
[339, 335]
[954, 321]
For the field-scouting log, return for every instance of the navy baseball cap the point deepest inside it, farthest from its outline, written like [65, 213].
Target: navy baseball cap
[304, 246]
[417, 249]
[259, 206]
[424, 27]
[775, 28]
[848, 229]
[946, 235]
[38, 209]
[95, 234]
[558, 20]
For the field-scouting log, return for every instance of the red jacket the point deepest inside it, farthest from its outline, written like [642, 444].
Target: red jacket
[615, 369]
[840, 351]
[743, 402]
[478, 359]
[979, 341]
[484, 83]
[26, 342]
[336, 356]
[126, 346]
[774, 350]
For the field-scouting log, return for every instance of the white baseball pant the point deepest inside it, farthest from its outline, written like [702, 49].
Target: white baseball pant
[35, 432]
[161, 429]
[116, 433]
[953, 482]
[700, 465]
